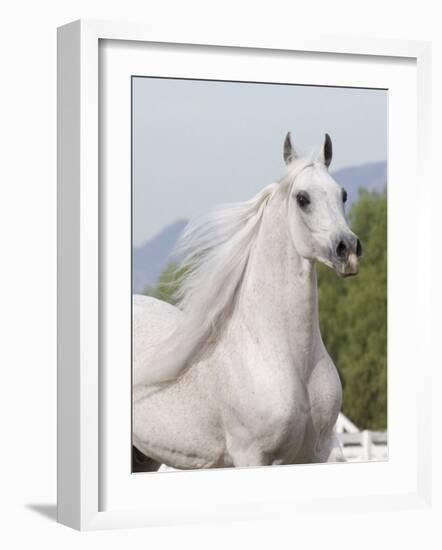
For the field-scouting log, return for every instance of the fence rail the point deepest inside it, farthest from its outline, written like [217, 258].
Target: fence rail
[364, 445]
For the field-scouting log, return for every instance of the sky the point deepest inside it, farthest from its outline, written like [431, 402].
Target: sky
[197, 144]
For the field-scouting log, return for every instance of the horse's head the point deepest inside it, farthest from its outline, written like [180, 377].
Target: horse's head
[317, 220]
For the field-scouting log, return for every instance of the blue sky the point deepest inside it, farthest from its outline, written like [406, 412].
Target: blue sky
[200, 143]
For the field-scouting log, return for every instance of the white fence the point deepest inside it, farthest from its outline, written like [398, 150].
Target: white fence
[361, 446]
[364, 446]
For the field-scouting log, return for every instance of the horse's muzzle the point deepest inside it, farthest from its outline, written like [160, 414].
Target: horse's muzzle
[348, 253]
[351, 267]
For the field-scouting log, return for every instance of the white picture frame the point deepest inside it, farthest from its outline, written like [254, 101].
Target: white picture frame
[80, 437]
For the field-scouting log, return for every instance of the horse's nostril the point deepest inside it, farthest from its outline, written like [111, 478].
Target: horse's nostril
[341, 249]
[358, 248]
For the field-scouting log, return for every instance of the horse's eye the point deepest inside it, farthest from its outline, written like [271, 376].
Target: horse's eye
[344, 195]
[303, 199]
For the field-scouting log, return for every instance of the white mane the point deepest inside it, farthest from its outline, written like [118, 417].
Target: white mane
[216, 249]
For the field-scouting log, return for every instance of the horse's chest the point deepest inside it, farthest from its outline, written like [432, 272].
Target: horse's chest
[285, 415]
[261, 409]
[325, 395]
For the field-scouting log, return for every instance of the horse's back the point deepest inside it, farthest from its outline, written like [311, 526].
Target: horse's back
[152, 321]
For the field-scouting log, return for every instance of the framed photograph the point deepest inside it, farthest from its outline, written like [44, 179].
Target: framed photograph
[234, 241]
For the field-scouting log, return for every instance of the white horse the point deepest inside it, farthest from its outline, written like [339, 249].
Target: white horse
[237, 374]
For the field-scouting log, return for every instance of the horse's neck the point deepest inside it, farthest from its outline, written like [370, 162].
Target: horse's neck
[279, 294]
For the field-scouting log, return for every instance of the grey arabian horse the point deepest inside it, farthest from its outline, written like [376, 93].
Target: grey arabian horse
[237, 374]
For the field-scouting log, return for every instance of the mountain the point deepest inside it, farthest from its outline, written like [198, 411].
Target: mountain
[372, 176]
[149, 260]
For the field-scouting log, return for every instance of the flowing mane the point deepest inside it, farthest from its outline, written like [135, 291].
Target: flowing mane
[216, 250]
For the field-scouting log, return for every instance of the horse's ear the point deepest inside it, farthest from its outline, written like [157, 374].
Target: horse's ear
[289, 151]
[328, 150]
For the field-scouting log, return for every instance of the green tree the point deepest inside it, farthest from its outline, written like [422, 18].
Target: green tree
[167, 284]
[353, 317]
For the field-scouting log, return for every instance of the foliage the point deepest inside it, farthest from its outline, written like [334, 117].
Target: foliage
[353, 315]
[167, 284]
